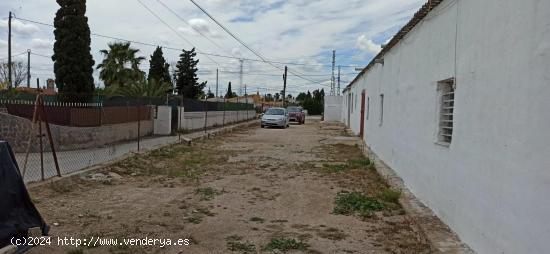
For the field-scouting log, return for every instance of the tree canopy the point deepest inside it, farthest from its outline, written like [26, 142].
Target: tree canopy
[230, 93]
[120, 66]
[186, 75]
[73, 63]
[159, 69]
[313, 103]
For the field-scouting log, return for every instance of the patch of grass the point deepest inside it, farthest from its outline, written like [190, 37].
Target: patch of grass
[334, 168]
[362, 162]
[234, 244]
[257, 219]
[348, 203]
[170, 152]
[207, 193]
[390, 195]
[184, 173]
[285, 244]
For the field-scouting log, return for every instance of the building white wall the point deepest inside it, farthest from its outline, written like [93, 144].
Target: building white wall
[196, 120]
[490, 185]
[333, 108]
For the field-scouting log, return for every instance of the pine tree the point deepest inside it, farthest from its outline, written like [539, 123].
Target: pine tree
[210, 94]
[159, 69]
[186, 75]
[229, 93]
[73, 63]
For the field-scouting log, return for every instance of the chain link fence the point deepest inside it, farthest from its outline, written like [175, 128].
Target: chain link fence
[88, 134]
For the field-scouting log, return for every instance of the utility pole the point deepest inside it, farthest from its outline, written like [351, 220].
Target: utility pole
[284, 85]
[216, 83]
[9, 52]
[28, 68]
[338, 91]
[241, 78]
[333, 65]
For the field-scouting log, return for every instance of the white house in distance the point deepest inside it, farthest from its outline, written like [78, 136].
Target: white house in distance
[458, 105]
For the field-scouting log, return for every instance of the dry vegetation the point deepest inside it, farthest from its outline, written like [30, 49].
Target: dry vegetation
[252, 191]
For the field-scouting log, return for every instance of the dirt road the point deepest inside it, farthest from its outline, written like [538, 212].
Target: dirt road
[252, 191]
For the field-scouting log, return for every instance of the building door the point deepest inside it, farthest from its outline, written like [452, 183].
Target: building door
[362, 130]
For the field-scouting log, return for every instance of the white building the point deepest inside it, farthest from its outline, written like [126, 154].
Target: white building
[458, 104]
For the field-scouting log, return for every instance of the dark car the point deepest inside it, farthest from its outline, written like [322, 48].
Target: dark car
[296, 114]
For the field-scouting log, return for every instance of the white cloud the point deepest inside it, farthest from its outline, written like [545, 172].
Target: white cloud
[199, 26]
[301, 31]
[41, 43]
[364, 44]
[3, 44]
[19, 27]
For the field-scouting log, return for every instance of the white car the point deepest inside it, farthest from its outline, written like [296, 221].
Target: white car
[275, 117]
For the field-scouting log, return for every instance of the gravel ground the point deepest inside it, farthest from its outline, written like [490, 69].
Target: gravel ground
[251, 191]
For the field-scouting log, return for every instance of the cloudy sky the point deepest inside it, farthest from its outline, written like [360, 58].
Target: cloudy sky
[301, 33]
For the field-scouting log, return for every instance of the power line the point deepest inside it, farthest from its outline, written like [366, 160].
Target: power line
[244, 44]
[170, 27]
[35, 54]
[227, 30]
[1, 59]
[187, 23]
[178, 49]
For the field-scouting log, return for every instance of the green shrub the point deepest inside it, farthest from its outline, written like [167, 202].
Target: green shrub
[390, 195]
[285, 244]
[348, 203]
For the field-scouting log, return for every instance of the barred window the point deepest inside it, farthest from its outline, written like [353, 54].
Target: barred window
[446, 91]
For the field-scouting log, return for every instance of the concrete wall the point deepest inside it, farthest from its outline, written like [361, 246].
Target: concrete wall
[490, 184]
[16, 131]
[195, 120]
[333, 108]
[163, 120]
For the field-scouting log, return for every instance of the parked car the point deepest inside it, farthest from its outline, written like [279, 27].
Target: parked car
[296, 114]
[275, 117]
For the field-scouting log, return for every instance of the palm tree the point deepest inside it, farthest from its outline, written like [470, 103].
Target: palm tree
[120, 65]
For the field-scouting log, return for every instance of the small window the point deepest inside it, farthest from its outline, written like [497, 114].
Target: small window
[368, 107]
[381, 109]
[446, 96]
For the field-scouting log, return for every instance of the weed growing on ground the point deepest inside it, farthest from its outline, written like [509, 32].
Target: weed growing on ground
[358, 163]
[362, 162]
[348, 203]
[169, 152]
[207, 193]
[390, 195]
[285, 244]
[334, 168]
[234, 244]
